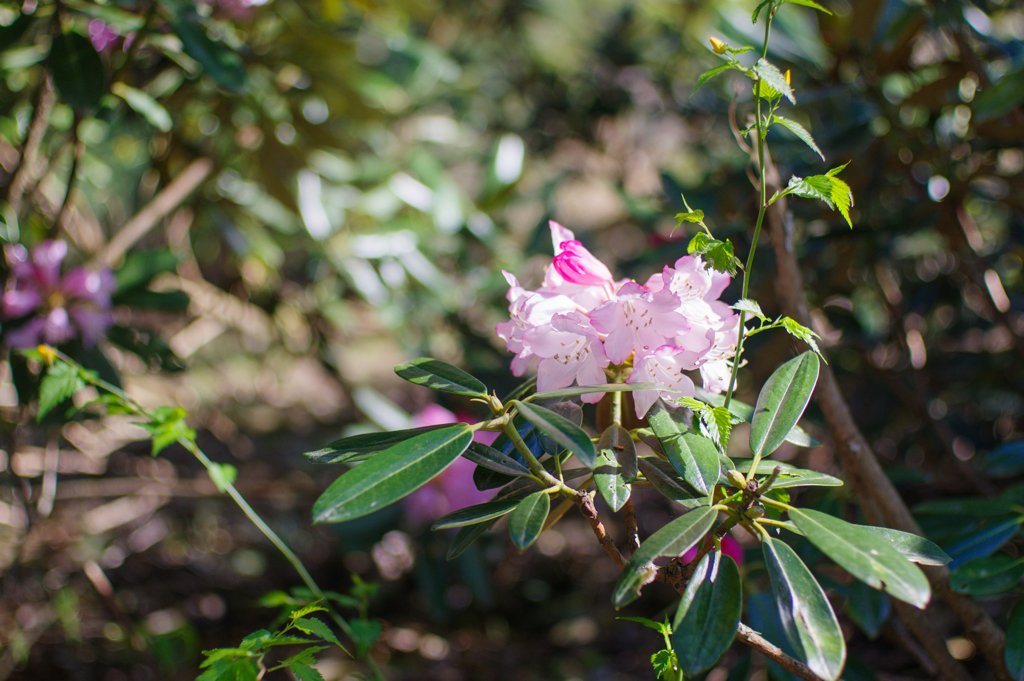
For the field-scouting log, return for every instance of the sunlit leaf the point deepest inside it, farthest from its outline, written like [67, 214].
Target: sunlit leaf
[781, 402]
[561, 430]
[438, 375]
[695, 457]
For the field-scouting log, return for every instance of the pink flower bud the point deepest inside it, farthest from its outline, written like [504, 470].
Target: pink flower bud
[577, 265]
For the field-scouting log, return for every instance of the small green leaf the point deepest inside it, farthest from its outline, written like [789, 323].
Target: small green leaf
[561, 430]
[616, 465]
[491, 459]
[794, 328]
[750, 307]
[705, 623]
[306, 610]
[438, 375]
[807, 616]
[663, 662]
[757, 10]
[781, 403]
[664, 478]
[471, 515]
[673, 539]
[693, 456]
[61, 381]
[987, 576]
[150, 109]
[660, 627]
[692, 216]
[303, 672]
[791, 476]
[314, 627]
[361, 447]
[810, 3]
[716, 254]
[527, 521]
[827, 188]
[745, 412]
[392, 474]
[864, 555]
[78, 71]
[1015, 642]
[774, 79]
[219, 62]
[801, 132]
[222, 475]
[915, 549]
[705, 77]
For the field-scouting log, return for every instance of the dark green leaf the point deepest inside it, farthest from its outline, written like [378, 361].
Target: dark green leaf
[967, 506]
[12, 33]
[361, 447]
[491, 459]
[466, 536]
[571, 412]
[471, 515]
[587, 389]
[705, 623]
[693, 456]
[561, 430]
[527, 521]
[315, 627]
[781, 403]
[664, 478]
[810, 3]
[1005, 461]
[791, 476]
[616, 465]
[78, 71]
[705, 77]
[1015, 642]
[438, 375]
[673, 539]
[745, 412]
[983, 543]
[774, 79]
[485, 478]
[868, 608]
[1001, 97]
[864, 555]
[365, 633]
[392, 474]
[807, 616]
[303, 672]
[987, 576]
[801, 132]
[915, 549]
[219, 62]
[61, 381]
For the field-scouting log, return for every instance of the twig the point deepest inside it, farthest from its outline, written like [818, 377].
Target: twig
[585, 501]
[24, 173]
[632, 531]
[161, 205]
[745, 634]
[78, 149]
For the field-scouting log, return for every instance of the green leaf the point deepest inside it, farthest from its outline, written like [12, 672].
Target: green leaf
[238, 670]
[167, 427]
[218, 61]
[365, 633]
[478, 513]
[616, 465]
[673, 539]
[915, 549]
[12, 33]
[750, 307]
[794, 328]
[801, 132]
[392, 474]
[438, 375]
[663, 661]
[222, 475]
[831, 190]
[864, 556]
[561, 430]
[1001, 97]
[745, 413]
[144, 105]
[78, 71]
[587, 389]
[466, 536]
[757, 10]
[314, 627]
[774, 79]
[693, 215]
[987, 576]
[969, 506]
[1005, 461]
[303, 672]
[705, 77]
[791, 476]
[781, 403]
[660, 627]
[693, 456]
[705, 623]
[868, 608]
[527, 521]
[361, 447]
[571, 412]
[491, 459]
[1015, 642]
[810, 3]
[664, 478]
[61, 381]
[306, 610]
[716, 254]
[807, 616]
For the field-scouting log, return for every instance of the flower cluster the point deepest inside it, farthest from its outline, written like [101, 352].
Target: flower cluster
[77, 304]
[582, 320]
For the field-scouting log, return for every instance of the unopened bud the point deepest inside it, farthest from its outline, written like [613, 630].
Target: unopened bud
[736, 479]
[787, 78]
[756, 510]
[47, 354]
[717, 45]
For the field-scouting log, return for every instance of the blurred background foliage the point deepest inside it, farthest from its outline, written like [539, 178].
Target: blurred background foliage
[298, 195]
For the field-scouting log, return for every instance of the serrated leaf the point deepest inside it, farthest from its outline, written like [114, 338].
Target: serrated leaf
[438, 375]
[745, 412]
[705, 77]
[478, 513]
[693, 456]
[392, 474]
[527, 520]
[716, 254]
[801, 132]
[692, 216]
[315, 627]
[706, 619]
[78, 71]
[750, 307]
[781, 403]
[807, 616]
[561, 430]
[772, 77]
[361, 447]
[915, 549]
[303, 672]
[987, 576]
[794, 328]
[864, 555]
[663, 661]
[222, 475]
[673, 539]
[61, 381]
[810, 3]
[238, 670]
[307, 609]
[1015, 642]
[616, 465]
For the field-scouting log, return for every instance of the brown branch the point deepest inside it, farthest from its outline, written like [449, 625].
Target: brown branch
[745, 634]
[161, 205]
[585, 501]
[881, 502]
[25, 172]
[632, 531]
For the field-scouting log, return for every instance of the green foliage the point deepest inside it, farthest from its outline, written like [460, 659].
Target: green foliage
[167, 426]
[769, 75]
[478, 513]
[718, 255]
[988, 576]
[1015, 642]
[442, 376]
[62, 380]
[781, 403]
[791, 476]
[561, 430]
[695, 457]
[801, 132]
[827, 188]
[78, 72]
[527, 520]
[706, 619]
[616, 466]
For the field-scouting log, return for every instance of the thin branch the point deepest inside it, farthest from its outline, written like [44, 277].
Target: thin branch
[25, 172]
[585, 501]
[632, 531]
[746, 635]
[78, 149]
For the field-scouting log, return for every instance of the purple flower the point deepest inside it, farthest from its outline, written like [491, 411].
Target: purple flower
[76, 305]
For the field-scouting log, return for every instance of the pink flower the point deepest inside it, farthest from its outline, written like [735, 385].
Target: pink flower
[76, 305]
[730, 547]
[666, 366]
[637, 321]
[528, 310]
[578, 266]
[569, 350]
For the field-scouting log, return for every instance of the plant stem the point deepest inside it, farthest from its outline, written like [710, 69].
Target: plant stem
[539, 471]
